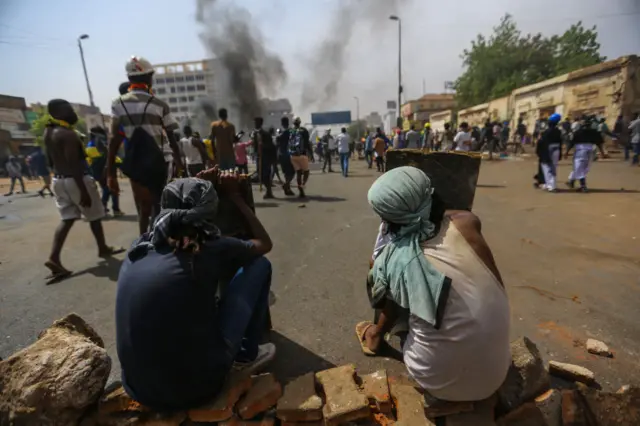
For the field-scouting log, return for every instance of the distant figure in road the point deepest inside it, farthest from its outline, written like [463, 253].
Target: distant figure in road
[195, 153]
[178, 334]
[437, 265]
[427, 137]
[223, 136]
[344, 150]
[398, 142]
[583, 140]
[380, 146]
[97, 158]
[14, 169]
[463, 140]
[39, 163]
[328, 150]
[446, 138]
[75, 190]
[242, 161]
[267, 155]
[299, 147]
[413, 138]
[284, 157]
[549, 151]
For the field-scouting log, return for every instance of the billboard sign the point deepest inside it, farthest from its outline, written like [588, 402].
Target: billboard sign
[392, 105]
[328, 118]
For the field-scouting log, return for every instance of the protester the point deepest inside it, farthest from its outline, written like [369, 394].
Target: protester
[143, 120]
[427, 137]
[267, 155]
[549, 151]
[14, 169]
[223, 136]
[97, 159]
[398, 142]
[38, 161]
[328, 150]
[437, 265]
[583, 140]
[446, 138]
[176, 341]
[299, 146]
[344, 150]
[75, 190]
[463, 140]
[634, 127]
[413, 138]
[284, 157]
[195, 152]
[368, 149]
[505, 133]
[242, 161]
[379, 148]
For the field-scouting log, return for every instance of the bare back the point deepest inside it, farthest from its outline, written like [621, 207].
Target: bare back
[64, 150]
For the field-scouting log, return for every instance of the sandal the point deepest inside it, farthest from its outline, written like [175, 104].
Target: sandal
[112, 251]
[58, 272]
[361, 329]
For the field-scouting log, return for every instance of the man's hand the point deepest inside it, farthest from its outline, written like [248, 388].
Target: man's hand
[211, 174]
[229, 183]
[85, 199]
[112, 183]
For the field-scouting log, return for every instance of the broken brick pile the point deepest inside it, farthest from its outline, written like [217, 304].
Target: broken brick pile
[339, 396]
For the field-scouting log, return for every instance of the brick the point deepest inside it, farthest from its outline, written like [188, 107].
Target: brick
[550, 406]
[300, 402]
[409, 403]
[597, 347]
[383, 419]
[434, 407]
[221, 408]
[526, 415]
[237, 421]
[483, 414]
[527, 377]
[609, 409]
[264, 394]
[573, 412]
[345, 402]
[376, 388]
[572, 372]
[117, 400]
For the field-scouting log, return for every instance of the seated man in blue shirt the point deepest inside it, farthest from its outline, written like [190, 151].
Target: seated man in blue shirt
[177, 336]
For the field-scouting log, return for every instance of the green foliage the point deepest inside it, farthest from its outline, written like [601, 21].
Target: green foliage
[352, 130]
[39, 124]
[506, 60]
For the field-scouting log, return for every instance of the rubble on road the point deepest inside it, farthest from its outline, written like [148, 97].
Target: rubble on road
[60, 379]
[597, 347]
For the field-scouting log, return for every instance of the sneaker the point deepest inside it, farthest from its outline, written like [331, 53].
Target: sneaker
[583, 189]
[266, 353]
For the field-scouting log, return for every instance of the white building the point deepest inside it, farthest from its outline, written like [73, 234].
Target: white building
[182, 84]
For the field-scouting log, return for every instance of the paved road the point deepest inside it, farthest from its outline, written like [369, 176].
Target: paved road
[571, 263]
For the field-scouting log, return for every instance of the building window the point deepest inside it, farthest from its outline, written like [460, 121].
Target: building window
[173, 90]
[191, 88]
[183, 99]
[179, 79]
[174, 109]
[190, 78]
[173, 100]
[169, 80]
[184, 108]
[202, 87]
[192, 98]
[200, 77]
[181, 89]
[161, 91]
[159, 80]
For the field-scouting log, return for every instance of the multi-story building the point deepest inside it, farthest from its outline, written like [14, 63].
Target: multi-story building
[274, 110]
[183, 84]
[373, 120]
[418, 111]
[19, 139]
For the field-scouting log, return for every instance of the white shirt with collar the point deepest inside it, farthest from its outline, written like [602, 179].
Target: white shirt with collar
[343, 143]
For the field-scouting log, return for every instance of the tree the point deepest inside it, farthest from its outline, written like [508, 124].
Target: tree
[506, 60]
[39, 124]
[352, 130]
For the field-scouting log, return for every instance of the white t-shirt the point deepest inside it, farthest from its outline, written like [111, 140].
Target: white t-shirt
[343, 143]
[331, 143]
[463, 141]
[191, 153]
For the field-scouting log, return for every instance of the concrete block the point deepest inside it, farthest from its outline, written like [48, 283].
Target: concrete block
[376, 388]
[409, 404]
[344, 400]
[221, 408]
[572, 372]
[300, 403]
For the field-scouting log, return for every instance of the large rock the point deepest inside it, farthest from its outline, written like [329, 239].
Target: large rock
[612, 409]
[527, 377]
[55, 380]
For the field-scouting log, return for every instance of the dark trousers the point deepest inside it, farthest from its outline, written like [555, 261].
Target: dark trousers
[368, 156]
[327, 161]
[266, 171]
[243, 309]
[380, 164]
[106, 193]
[243, 168]
[13, 183]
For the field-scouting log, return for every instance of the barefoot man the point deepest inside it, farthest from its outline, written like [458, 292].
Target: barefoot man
[75, 190]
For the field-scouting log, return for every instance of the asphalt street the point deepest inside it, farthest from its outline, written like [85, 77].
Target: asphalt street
[570, 262]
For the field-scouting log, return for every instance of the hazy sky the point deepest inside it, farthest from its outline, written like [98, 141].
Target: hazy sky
[39, 57]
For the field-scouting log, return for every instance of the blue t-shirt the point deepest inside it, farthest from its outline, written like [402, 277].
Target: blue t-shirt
[169, 342]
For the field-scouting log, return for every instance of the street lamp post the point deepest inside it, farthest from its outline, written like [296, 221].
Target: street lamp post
[357, 116]
[396, 18]
[84, 67]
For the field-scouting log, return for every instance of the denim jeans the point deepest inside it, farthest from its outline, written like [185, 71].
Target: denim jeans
[115, 199]
[344, 163]
[636, 153]
[368, 156]
[243, 309]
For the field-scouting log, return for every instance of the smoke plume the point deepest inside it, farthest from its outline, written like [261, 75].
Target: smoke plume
[329, 62]
[244, 67]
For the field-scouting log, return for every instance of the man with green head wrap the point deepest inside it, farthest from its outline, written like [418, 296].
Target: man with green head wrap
[436, 265]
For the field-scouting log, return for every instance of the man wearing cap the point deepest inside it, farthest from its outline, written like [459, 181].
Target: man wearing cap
[549, 151]
[299, 147]
[144, 120]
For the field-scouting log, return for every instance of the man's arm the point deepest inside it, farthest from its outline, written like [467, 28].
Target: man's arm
[202, 150]
[113, 147]
[214, 143]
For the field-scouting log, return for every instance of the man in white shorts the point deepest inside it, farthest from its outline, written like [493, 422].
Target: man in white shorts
[75, 190]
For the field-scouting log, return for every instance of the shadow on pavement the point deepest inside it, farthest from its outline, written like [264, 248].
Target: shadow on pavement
[265, 205]
[293, 360]
[490, 186]
[598, 191]
[319, 198]
[125, 218]
[107, 268]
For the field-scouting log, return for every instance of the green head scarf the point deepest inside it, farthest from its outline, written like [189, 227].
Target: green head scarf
[401, 272]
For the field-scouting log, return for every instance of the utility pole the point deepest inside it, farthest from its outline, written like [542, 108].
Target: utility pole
[396, 18]
[84, 67]
[357, 116]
